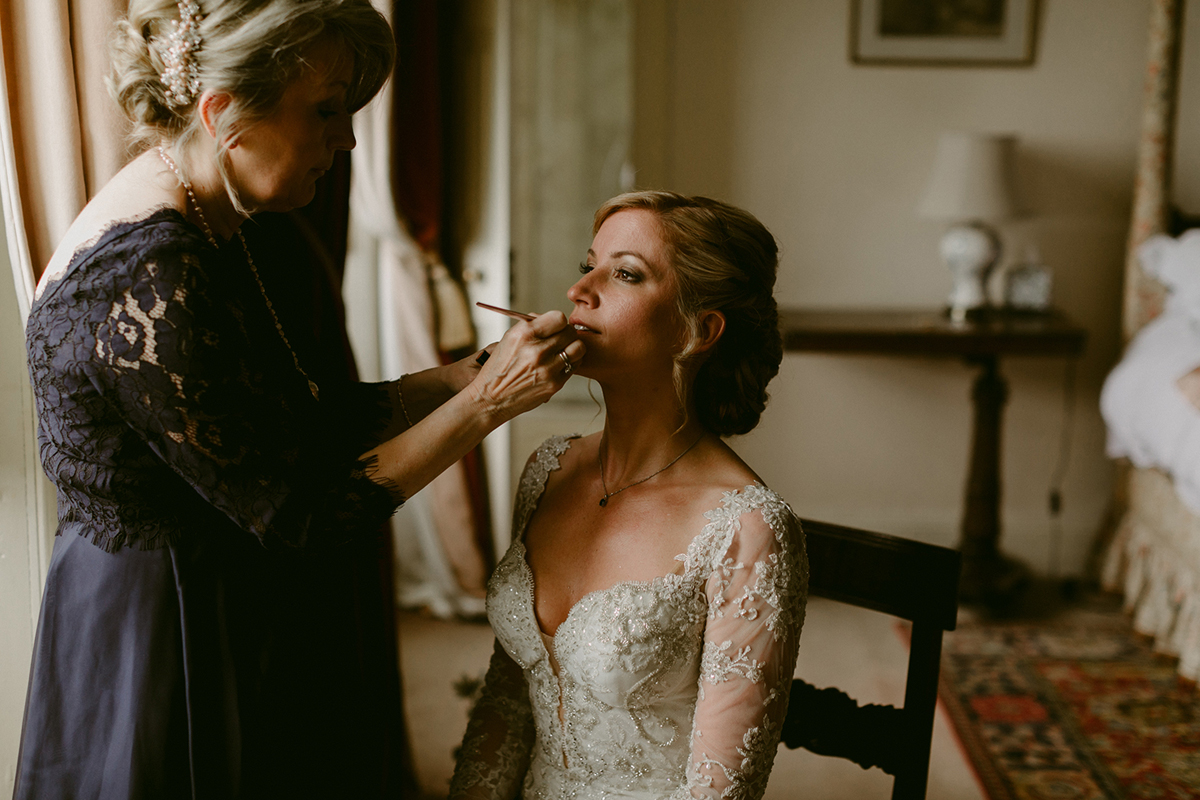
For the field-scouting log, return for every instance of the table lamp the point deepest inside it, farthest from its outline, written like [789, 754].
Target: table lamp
[971, 186]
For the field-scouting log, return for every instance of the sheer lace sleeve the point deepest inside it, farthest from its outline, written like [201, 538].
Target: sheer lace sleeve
[756, 598]
[496, 747]
[199, 377]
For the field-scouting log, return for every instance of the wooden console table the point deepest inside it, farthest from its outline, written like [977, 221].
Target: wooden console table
[988, 576]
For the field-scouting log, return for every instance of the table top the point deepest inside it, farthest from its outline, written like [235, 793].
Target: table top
[929, 332]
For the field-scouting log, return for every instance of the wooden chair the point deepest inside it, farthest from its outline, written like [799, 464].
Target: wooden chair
[910, 580]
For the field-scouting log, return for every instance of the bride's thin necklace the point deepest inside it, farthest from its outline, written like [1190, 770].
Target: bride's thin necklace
[671, 463]
[212, 239]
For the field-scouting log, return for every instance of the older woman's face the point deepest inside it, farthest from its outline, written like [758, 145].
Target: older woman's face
[275, 162]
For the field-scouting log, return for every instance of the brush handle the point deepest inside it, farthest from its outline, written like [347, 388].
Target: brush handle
[506, 311]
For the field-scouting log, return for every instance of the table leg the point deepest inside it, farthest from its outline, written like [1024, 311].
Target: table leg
[987, 575]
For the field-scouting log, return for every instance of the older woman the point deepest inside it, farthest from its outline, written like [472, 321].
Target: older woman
[192, 452]
[648, 613]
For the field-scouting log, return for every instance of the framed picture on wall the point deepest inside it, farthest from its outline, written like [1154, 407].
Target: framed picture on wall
[943, 32]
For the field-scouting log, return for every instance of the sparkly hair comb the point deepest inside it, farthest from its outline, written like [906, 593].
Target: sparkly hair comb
[182, 73]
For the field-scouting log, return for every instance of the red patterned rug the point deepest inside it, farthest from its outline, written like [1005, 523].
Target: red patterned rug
[1077, 707]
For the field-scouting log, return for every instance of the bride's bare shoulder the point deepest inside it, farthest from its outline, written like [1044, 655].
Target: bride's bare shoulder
[583, 450]
[725, 469]
[139, 189]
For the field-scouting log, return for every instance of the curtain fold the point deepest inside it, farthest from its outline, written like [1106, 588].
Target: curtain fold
[439, 565]
[1125, 551]
[1143, 296]
[63, 138]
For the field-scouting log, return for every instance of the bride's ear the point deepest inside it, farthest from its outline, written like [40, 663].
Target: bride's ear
[710, 327]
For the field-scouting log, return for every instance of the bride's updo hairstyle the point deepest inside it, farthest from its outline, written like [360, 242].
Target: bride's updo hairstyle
[723, 260]
[249, 50]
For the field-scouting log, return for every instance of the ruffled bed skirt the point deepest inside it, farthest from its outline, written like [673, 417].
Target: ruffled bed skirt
[1155, 560]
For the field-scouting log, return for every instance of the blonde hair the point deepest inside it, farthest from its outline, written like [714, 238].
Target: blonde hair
[724, 260]
[250, 51]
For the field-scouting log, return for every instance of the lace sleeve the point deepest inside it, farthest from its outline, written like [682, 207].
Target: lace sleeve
[364, 414]
[496, 747]
[174, 357]
[756, 597]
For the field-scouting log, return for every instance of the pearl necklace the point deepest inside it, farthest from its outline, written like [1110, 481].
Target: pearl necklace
[608, 494]
[212, 239]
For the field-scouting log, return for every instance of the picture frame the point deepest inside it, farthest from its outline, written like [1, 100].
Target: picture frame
[943, 32]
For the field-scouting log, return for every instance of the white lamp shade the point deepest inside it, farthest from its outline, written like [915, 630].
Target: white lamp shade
[971, 178]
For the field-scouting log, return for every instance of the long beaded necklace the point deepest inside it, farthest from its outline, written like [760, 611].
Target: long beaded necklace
[212, 239]
[608, 494]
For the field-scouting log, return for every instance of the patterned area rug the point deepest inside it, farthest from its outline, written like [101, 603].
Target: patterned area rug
[1075, 707]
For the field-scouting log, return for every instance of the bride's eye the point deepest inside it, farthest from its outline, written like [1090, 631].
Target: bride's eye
[584, 268]
[626, 275]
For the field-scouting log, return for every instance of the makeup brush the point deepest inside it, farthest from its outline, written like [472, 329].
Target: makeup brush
[506, 311]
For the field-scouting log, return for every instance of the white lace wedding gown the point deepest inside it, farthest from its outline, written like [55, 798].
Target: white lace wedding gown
[670, 688]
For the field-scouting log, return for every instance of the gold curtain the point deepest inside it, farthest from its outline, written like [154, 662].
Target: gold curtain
[62, 136]
[1143, 296]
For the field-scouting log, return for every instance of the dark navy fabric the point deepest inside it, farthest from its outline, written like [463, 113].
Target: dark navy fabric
[186, 645]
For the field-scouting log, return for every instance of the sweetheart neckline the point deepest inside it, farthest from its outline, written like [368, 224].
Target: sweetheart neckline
[725, 501]
[570, 611]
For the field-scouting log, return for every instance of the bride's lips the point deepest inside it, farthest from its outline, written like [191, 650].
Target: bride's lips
[580, 327]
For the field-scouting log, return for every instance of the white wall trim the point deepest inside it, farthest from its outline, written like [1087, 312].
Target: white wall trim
[14, 227]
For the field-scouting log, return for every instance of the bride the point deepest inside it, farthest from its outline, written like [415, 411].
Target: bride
[648, 613]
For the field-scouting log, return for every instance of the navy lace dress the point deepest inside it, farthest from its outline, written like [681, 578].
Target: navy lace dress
[199, 485]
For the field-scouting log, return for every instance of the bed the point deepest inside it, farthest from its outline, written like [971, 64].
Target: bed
[1151, 405]
[1151, 399]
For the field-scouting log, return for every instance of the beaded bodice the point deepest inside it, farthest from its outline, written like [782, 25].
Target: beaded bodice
[672, 687]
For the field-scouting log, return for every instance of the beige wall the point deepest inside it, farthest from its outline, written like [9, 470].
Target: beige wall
[757, 102]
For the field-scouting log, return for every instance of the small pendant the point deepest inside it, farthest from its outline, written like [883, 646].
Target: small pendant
[603, 502]
[312, 387]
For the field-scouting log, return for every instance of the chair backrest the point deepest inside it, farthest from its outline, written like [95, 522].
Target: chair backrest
[910, 580]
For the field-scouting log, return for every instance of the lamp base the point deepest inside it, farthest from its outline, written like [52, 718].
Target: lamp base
[971, 250]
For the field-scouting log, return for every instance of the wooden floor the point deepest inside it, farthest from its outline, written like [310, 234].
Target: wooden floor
[857, 650]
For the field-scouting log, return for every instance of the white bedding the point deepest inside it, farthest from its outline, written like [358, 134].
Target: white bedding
[1155, 554]
[1149, 419]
